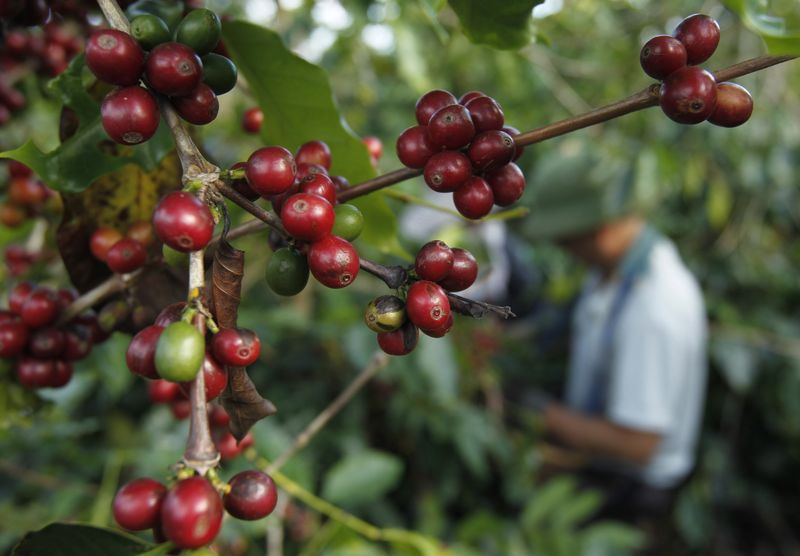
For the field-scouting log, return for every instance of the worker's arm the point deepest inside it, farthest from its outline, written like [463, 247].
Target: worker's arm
[596, 436]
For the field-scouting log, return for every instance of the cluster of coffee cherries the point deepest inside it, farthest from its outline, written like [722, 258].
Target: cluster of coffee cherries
[189, 511]
[43, 351]
[439, 269]
[464, 148]
[304, 195]
[690, 94]
[26, 195]
[122, 253]
[169, 63]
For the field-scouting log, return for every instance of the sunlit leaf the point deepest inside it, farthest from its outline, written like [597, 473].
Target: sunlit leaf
[499, 23]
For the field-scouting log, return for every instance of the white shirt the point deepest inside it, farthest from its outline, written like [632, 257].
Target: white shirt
[657, 372]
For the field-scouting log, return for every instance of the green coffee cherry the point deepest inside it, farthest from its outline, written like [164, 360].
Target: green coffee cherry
[150, 30]
[219, 73]
[385, 313]
[349, 221]
[287, 272]
[170, 12]
[179, 352]
[200, 29]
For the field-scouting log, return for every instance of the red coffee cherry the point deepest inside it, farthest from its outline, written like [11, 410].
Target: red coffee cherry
[173, 69]
[734, 105]
[199, 107]
[333, 261]
[513, 132]
[304, 170]
[237, 347]
[13, 338]
[78, 342]
[431, 102]
[102, 240]
[180, 408]
[137, 505]
[319, 184]
[162, 391]
[486, 114]
[142, 231]
[466, 97]
[215, 378]
[218, 417]
[183, 222]
[228, 447]
[314, 152]
[191, 514]
[401, 341]
[447, 171]
[474, 199]
[27, 192]
[413, 147]
[307, 217]
[463, 273]
[434, 261]
[374, 147]
[114, 57]
[507, 183]
[688, 95]
[270, 170]
[35, 373]
[130, 115]
[253, 495]
[442, 330]
[40, 308]
[17, 296]
[491, 149]
[126, 255]
[11, 215]
[47, 343]
[140, 356]
[62, 374]
[427, 305]
[662, 55]
[252, 119]
[278, 200]
[171, 313]
[451, 128]
[700, 35]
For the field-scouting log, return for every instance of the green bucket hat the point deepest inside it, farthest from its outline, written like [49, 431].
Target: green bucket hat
[578, 187]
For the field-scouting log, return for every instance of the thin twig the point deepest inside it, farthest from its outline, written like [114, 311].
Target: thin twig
[112, 285]
[378, 361]
[268, 217]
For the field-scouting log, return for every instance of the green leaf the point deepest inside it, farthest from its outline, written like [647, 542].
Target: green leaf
[498, 23]
[550, 497]
[298, 105]
[777, 22]
[88, 153]
[361, 478]
[64, 539]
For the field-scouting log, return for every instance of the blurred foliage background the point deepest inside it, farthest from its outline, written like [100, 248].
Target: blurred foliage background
[435, 443]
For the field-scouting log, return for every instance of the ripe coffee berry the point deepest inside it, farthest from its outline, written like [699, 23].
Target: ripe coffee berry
[466, 97]
[180, 408]
[662, 55]
[26, 192]
[447, 171]
[173, 69]
[78, 342]
[507, 183]
[126, 255]
[463, 273]
[215, 378]
[62, 374]
[401, 341]
[137, 505]
[191, 514]
[700, 35]
[688, 95]
[162, 391]
[237, 347]
[431, 102]
[307, 217]
[35, 373]
[17, 296]
[270, 170]
[491, 149]
[486, 114]
[252, 495]
[130, 115]
[40, 308]
[427, 305]
[734, 105]
[141, 231]
[451, 128]
[115, 57]
[171, 313]
[101, 241]
[252, 120]
[474, 199]
[333, 261]
[442, 330]
[13, 338]
[434, 261]
[374, 146]
[229, 448]
[314, 152]
[319, 184]
[413, 147]
[183, 222]
[304, 170]
[199, 107]
[141, 353]
[47, 343]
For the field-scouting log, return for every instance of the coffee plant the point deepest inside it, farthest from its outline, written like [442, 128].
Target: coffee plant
[143, 194]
